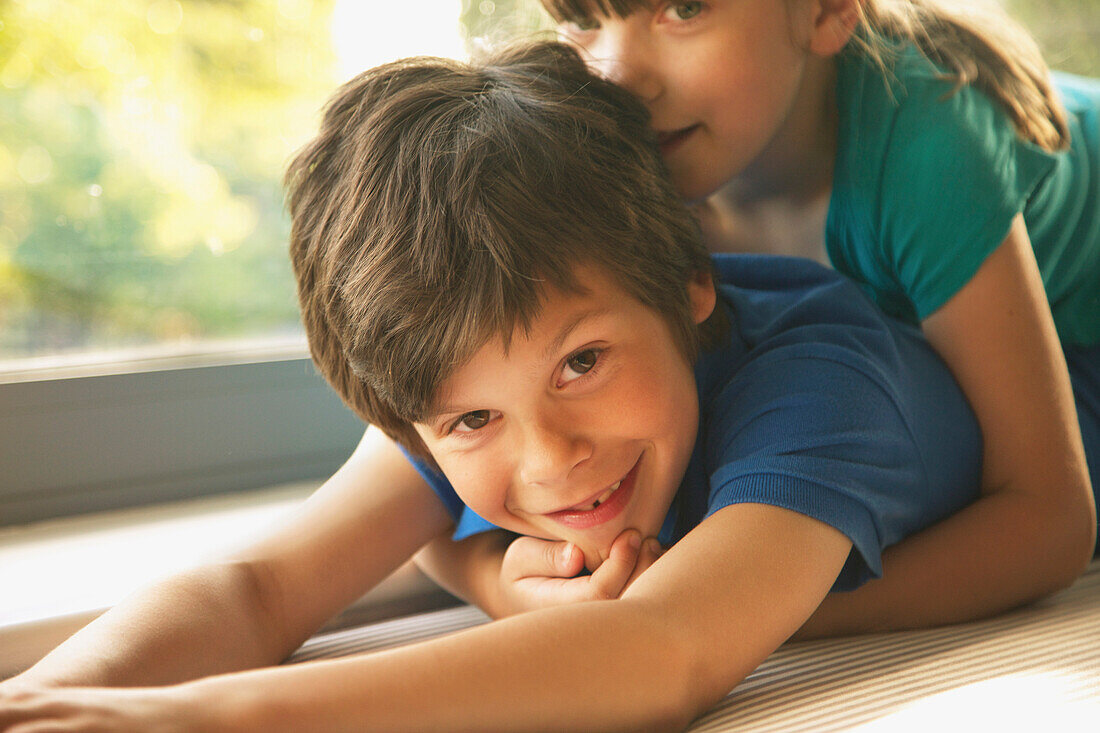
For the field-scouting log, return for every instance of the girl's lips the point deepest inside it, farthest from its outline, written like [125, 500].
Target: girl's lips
[673, 139]
[608, 510]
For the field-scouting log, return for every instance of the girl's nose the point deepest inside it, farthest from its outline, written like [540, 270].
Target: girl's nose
[551, 450]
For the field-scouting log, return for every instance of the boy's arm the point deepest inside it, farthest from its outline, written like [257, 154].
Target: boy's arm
[255, 606]
[1033, 530]
[694, 625]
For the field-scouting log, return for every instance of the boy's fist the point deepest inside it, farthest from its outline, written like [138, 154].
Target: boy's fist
[538, 573]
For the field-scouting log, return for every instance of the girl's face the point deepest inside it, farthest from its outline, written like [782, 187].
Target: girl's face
[724, 81]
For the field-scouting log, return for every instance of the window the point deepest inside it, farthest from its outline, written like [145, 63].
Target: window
[140, 187]
[149, 338]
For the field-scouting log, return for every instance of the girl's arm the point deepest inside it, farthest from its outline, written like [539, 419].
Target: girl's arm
[1031, 533]
[253, 608]
[1033, 530]
[695, 624]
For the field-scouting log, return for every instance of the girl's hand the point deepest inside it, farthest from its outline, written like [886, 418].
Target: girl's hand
[103, 710]
[538, 573]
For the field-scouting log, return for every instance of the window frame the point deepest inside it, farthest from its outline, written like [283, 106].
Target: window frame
[132, 433]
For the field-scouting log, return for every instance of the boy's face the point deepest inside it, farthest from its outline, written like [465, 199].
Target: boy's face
[583, 428]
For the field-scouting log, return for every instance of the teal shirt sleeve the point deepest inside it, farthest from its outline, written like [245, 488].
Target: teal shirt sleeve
[952, 174]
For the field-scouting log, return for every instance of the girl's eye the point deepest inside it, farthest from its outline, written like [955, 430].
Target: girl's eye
[580, 364]
[472, 421]
[584, 24]
[683, 11]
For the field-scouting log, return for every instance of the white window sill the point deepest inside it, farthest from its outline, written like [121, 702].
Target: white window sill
[58, 575]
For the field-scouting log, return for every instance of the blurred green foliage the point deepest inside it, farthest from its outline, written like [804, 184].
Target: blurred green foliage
[488, 22]
[141, 150]
[142, 144]
[1068, 31]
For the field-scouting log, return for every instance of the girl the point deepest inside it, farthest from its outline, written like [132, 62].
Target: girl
[921, 149]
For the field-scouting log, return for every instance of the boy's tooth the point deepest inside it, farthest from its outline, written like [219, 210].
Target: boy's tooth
[603, 497]
[607, 494]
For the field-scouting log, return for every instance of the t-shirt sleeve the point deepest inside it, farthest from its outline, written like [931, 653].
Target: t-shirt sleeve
[825, 438]
[955, 174]
[467, 521]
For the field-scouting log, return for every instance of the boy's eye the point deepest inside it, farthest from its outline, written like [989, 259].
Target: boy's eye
[683, 11]
[580, 364]
[475, 420]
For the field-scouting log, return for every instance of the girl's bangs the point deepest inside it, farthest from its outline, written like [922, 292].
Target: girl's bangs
[574, 10]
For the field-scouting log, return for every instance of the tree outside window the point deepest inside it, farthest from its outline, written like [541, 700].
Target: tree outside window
[142, 144]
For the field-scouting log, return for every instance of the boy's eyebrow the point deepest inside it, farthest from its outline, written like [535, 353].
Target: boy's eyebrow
[552, 348]
[555, 345]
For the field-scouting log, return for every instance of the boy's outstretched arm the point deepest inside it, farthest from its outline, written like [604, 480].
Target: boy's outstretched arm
[682, 636]
[254, 607]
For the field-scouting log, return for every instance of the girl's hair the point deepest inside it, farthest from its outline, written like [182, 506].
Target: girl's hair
[977, 43]
[974, 41]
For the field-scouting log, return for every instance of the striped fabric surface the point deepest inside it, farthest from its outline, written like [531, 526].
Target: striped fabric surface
[1035, 669]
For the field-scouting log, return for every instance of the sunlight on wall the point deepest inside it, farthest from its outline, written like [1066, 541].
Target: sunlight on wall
[369, 34]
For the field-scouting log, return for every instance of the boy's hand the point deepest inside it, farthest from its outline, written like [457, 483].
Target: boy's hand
[538, 573]
[99, 709]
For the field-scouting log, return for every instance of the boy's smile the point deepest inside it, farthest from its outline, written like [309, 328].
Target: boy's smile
[582, 428]
[603, 508]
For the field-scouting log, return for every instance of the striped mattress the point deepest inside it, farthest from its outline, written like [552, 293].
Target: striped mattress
[1034, 669]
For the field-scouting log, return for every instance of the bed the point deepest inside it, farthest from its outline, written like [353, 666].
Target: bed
[1034, 669]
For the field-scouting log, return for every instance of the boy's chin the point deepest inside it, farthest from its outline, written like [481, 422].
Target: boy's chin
[595, 554]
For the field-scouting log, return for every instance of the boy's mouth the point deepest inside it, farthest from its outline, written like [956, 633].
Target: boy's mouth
[600, 500]
[670, 140]
[600, 508]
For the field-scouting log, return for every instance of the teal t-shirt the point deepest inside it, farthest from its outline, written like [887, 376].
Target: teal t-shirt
[927, 184]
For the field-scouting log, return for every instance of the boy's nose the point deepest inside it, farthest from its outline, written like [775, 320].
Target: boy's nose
[551, 451]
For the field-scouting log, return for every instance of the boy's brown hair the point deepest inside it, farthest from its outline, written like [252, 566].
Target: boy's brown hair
[440, 199]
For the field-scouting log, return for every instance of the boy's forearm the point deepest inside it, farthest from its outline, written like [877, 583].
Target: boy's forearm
[598, 666]
[688, 630]
[197, 623]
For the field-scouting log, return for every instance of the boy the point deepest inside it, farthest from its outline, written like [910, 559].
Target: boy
[495, 273]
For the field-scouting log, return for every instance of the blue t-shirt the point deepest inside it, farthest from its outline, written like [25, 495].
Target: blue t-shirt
[818, 403]
[927, 182]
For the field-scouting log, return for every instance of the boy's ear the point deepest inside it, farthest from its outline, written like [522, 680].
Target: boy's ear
[702, 296]
[834, 23]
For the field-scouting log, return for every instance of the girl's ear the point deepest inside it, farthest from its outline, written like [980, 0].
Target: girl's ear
[702, 296]
[834, 23]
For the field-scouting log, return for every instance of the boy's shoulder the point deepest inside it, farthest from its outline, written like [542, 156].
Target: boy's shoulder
[823, 404]
[799, 326]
